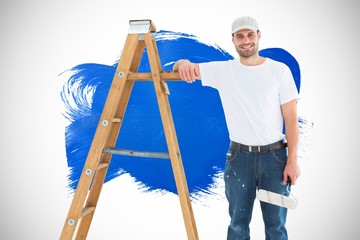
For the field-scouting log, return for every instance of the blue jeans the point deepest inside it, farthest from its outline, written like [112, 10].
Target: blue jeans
[244, 173]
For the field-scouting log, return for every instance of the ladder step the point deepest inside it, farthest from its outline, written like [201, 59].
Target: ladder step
[133, 153]
[102, 165]
[116, 120]
[86, 211]
[168, 76]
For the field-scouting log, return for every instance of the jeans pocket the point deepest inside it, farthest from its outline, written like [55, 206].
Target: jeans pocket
[280, 155]
[230, 165]
[231, 154]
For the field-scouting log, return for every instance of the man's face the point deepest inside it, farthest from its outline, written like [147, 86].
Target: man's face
[246, 42]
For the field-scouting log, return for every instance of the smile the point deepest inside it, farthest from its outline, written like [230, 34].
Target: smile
[247, 46]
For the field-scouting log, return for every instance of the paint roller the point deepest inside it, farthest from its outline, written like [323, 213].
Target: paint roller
[277, 199]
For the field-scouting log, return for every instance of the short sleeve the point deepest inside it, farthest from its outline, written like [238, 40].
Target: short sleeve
[210, 73]
[288, 90]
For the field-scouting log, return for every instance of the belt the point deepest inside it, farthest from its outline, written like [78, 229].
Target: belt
[277, 145]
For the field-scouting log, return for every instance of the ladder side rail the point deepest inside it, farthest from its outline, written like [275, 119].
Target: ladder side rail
[100, 174]
[171, 138]
[99, 139]
[96, 187]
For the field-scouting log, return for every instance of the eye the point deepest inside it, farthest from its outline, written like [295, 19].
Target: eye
[251, 35]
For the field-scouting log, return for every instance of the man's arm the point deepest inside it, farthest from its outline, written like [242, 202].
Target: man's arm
[289, 112]
[188, 71]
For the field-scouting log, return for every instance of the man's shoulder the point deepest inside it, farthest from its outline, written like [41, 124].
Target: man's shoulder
[230, 61]
[218, 64]
[277, 64]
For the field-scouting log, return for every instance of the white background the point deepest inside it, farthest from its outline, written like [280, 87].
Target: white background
[41, 39]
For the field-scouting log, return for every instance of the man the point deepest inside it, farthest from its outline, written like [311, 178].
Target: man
[258, 96]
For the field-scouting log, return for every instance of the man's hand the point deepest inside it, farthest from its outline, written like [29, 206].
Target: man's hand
[188, 71]
[291, 171]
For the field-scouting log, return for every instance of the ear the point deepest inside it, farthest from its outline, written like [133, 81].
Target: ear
[259, 34]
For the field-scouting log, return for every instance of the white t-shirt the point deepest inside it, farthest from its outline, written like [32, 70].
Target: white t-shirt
[251, 97]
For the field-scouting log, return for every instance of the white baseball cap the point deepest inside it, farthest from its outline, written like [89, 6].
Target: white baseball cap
[245, 22]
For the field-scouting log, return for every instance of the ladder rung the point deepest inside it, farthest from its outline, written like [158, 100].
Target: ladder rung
[119, 151]
[102, 165]
[166, 76]
[86, 211]
[116, 120]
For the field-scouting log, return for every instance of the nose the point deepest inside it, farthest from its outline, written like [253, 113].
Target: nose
[246, 40]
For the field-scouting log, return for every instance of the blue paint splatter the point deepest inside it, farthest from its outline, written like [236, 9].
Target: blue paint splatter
[197, 113]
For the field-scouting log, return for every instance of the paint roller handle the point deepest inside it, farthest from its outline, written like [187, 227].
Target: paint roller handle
[288, 182]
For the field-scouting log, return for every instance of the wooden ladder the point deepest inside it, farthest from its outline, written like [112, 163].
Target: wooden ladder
[141, 34]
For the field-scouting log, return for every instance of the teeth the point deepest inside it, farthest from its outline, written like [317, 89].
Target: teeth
[246, 46]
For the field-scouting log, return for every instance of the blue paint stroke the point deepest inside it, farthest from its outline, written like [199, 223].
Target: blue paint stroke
[197, 113]
[283, 56]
